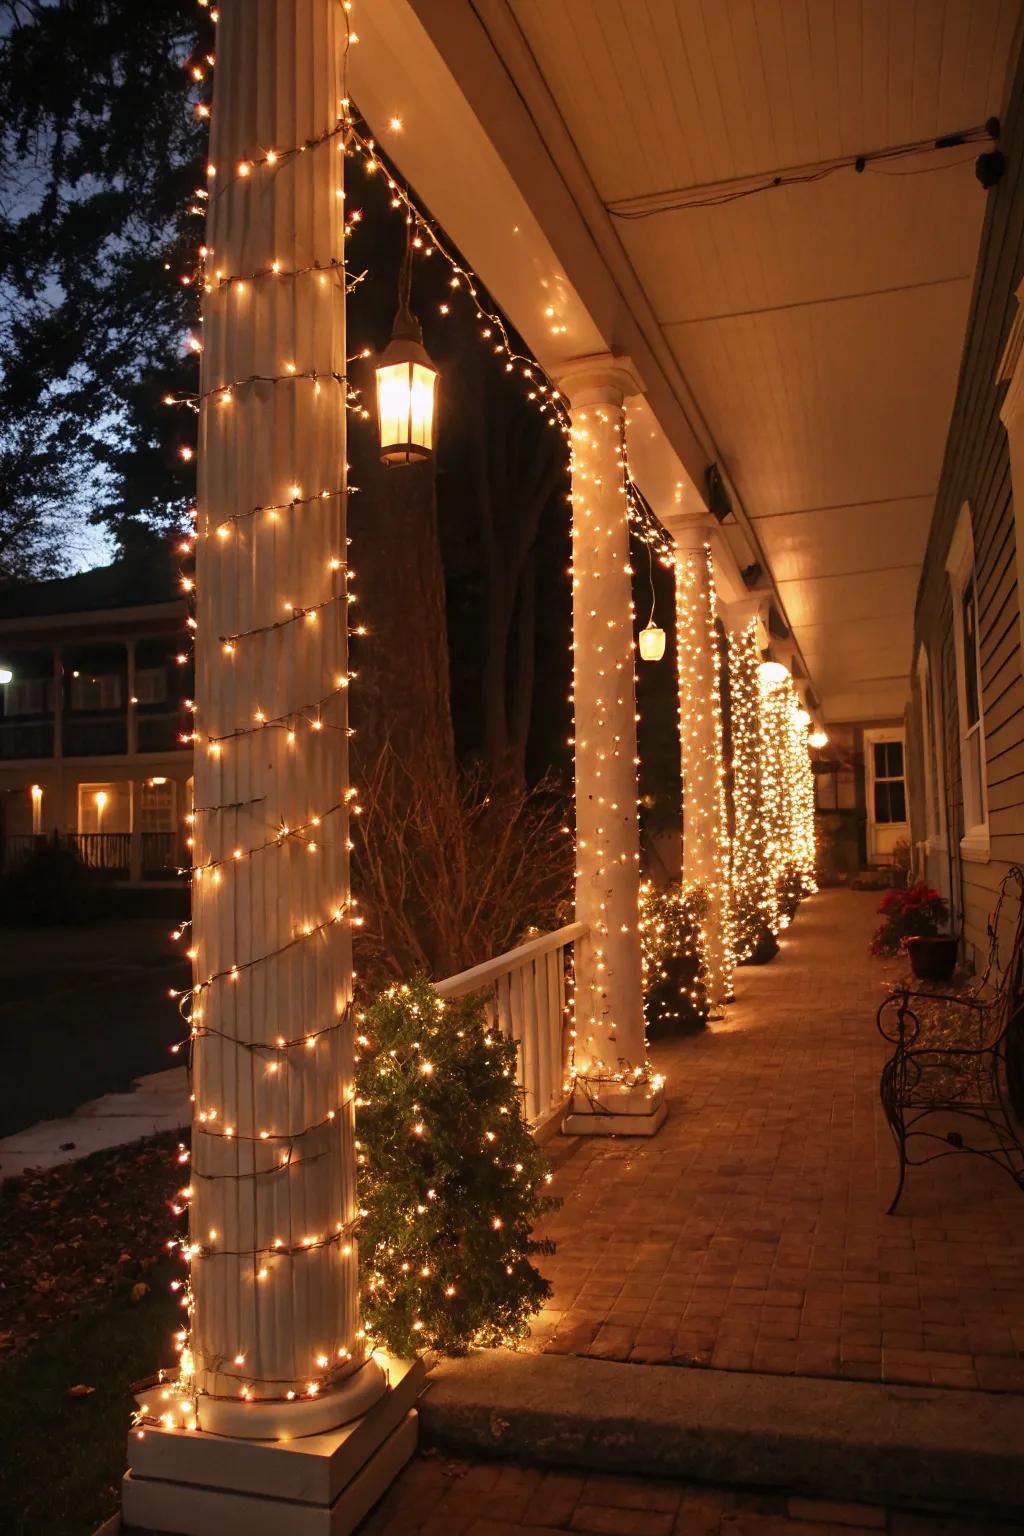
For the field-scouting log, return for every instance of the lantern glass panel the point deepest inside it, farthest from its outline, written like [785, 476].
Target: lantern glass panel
[652, 643]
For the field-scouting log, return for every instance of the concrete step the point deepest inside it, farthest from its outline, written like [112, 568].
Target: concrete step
[863, 1441]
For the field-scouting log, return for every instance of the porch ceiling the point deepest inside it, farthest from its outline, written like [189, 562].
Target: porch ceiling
[819, 326]
[811, 333]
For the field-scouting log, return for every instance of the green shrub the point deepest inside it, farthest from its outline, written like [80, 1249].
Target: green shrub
[675, 999]
[451, 1180]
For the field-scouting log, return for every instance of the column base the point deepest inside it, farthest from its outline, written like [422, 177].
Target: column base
[609, 1109]
[193, 1483]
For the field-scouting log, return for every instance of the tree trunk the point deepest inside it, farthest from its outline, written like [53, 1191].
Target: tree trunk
[403, 695]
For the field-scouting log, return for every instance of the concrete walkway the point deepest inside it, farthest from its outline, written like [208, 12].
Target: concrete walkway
[751, 1233]
[157, 1102]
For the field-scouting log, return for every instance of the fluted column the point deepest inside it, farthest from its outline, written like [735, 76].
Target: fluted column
[274, 1343]
[614, 1090]
[705, 827]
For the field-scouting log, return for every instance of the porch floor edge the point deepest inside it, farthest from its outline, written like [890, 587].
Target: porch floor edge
[869, 1442]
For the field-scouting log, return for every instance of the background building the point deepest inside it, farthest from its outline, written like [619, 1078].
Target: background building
[92, 719]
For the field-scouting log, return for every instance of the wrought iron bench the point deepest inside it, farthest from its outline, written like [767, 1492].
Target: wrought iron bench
[979, 1077]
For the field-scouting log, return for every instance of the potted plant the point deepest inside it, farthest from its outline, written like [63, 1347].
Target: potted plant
[914, 920]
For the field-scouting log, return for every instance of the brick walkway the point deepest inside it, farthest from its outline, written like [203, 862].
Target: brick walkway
[436, 1497]
[751, 1233]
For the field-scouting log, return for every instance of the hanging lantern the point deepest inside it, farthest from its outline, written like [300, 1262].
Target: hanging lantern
[652, 636]
[652, 643]
[406, 383]
[772, 673]
[818, 739]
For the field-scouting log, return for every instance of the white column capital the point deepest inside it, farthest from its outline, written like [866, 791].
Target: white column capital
[600, 379]
[692, 531]
[737, 615]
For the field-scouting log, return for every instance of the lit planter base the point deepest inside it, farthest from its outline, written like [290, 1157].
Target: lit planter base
[193, 1483]
[609, 1110]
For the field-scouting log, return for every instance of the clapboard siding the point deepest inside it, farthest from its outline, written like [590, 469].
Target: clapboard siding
[976, 470]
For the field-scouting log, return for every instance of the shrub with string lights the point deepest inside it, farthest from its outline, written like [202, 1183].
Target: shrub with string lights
[675, 994]
[451, 1182]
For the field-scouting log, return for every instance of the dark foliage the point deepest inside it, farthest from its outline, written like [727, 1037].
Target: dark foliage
[51, 886]
[102, 157]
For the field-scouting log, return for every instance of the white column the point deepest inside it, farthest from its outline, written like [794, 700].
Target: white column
[274, 1277]
[705, 827]
[614, 1091]
[275, 1352]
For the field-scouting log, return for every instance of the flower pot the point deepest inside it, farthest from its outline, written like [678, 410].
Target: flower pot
[932, 959]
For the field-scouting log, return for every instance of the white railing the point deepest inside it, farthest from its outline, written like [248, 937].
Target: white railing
[526, 1002]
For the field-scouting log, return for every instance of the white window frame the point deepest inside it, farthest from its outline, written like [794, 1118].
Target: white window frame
[879, 832]
[932, 759]
[975, 843]
[1011, 371]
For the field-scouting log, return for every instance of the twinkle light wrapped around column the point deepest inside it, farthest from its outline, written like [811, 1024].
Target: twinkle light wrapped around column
[788, 791]
[755, 856]
[613, 1088]
[275, 1349]
[705, 819]
[801, 794]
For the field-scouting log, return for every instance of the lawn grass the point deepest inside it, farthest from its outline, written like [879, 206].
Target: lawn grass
[62, 1457]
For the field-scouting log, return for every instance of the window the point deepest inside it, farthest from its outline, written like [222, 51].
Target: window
[963, 589]
[889, 785]
[30, 696]
[156, 805]
[151, 685]
[835, 786]
[885, 791]
[104, 808]
[103, 692]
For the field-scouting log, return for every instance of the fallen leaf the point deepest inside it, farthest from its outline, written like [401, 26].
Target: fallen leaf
[81, 1391]
[139, 1289]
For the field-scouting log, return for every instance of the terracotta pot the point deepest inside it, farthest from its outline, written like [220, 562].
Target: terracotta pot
[932, 959]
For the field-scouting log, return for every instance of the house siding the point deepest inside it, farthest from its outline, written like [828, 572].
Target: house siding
[976, 470]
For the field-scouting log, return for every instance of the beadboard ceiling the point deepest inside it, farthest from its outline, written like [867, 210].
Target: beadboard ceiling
[819, 326]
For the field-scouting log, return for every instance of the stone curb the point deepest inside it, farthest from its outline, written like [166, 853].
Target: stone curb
[864, 1441]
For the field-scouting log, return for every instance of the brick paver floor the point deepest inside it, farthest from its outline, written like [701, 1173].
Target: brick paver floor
[751, 1233]
[437, 1497]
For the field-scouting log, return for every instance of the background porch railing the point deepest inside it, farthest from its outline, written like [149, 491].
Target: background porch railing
[526, 994]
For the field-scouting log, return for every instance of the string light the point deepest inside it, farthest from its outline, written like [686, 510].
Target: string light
[706, 844]
[754, 875]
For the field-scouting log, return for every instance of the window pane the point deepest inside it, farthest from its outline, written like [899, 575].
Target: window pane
[881, 771]
[895, 756]
[890, 802]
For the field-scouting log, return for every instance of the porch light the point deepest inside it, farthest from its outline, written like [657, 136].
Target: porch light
[772, 673]
[818, 738]
[652, 643]
[6, 676]
[36, 791]
[406, 384]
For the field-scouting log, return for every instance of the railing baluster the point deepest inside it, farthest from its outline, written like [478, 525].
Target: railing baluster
[541, 1076]
[519, 1028]
[555, 963]
[524, 998]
